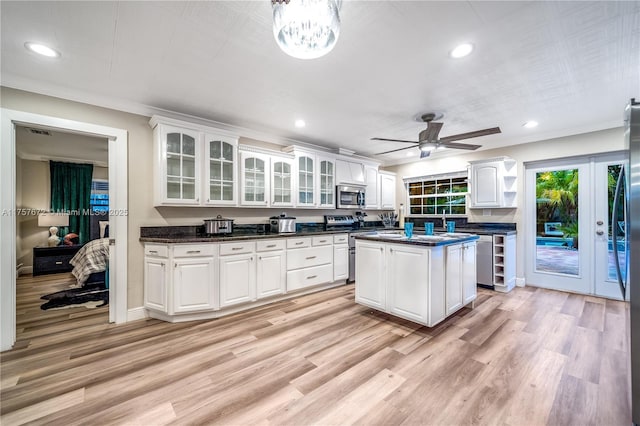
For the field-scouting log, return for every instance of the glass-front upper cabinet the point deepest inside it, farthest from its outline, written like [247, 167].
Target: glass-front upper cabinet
[254, 172]
[281, 182]
[181, 155]
[306, 180]
[220, 170]
[326, 179]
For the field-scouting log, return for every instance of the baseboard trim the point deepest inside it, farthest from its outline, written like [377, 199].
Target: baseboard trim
[24, 270]
[520, 282]
[137, 314]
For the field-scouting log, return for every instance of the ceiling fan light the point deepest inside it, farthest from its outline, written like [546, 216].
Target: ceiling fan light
[306, 29]
[427, 148]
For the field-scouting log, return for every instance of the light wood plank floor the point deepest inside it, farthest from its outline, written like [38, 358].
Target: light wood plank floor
[529, 357]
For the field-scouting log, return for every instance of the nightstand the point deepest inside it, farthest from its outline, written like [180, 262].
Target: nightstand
[52, 260]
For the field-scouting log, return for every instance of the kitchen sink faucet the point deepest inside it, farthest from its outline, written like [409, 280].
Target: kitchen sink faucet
[444, 221]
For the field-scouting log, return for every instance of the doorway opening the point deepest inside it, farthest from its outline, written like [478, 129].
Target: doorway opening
[118, 177]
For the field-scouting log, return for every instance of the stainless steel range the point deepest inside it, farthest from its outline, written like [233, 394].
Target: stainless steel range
[349, 224]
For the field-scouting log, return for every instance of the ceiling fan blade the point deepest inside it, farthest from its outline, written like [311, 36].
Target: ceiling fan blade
[470, 135]
[392, 140]
[459, 145]
[394, 150]
[424, 154]
[430, 134]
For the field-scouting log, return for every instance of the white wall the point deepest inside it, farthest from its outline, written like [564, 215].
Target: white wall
[571, 146]
[142, 212]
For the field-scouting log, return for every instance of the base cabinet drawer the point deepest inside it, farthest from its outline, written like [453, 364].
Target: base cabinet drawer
[308, 277]
[310, 256]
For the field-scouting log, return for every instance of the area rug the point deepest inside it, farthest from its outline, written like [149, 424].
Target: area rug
[88, 296]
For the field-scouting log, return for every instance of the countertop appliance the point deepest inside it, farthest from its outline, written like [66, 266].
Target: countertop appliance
[628, 191]
[217, 226]
[350, 197]
[282, 224]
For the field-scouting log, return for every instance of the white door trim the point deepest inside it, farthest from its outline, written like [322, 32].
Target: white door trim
[118, 181]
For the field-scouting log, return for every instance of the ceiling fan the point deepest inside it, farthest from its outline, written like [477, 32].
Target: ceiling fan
[428, 138]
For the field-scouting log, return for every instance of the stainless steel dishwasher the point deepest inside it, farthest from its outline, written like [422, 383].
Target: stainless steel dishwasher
[484, 261]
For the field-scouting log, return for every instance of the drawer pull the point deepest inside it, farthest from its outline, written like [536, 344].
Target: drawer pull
[236, 248]
[271, 246]
[312, 277]
[58, 263]
[299, 242]
[153, 251]
[311, 257]
[193, 251]
[323, 241]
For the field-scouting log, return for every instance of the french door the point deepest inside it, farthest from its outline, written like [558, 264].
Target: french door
[569, 244]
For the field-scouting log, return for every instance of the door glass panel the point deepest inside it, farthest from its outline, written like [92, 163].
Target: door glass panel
[227, 171]
[613, 172]
[215, 192]
[227, 191]
[557, 248]
[214, 150]
[188, 167]
[227, 151]
[173, 165]
[173, 187]
[214, 170]
[188, 189]
[173, 142]
[188, 145]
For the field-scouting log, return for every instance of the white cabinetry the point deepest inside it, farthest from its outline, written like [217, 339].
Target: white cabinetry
[408, 291]
[453, 279]
[309, 262]
[387, 190]
[180, 280]
[282, 187]
[460, 276]
[349, 172]
[155, 283]
[504, 262]
[193, 165]
[305, 170]
[271, 268]
[254, 179]
[371, 282]
[493, 183]
[469, 280]
[340, 257]
[192, 284]
[372, 191]
[326, 182]
[220, 170]
[237, 273]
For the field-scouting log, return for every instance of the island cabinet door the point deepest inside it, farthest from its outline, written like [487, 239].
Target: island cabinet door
[370, 275]
[408, 278]
[453, 279]
[469, 281]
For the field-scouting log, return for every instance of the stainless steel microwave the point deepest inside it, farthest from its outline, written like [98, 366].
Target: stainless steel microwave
[349, 197]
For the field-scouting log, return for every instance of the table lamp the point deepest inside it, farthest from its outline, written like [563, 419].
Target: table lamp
[53, 220]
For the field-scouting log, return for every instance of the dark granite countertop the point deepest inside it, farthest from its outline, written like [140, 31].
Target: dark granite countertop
[420, 240]
[232, 237]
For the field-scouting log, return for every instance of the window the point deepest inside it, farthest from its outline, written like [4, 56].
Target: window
[435, 195]
[99, 201]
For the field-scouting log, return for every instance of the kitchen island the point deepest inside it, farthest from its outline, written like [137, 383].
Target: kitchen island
[423, 279]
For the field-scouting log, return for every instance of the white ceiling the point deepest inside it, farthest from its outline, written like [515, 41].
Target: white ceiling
[572, 66]
[61, 146]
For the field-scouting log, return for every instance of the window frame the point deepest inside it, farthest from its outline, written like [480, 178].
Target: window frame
[445, 182]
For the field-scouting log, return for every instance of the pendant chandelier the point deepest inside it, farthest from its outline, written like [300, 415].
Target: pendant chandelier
[306, 29]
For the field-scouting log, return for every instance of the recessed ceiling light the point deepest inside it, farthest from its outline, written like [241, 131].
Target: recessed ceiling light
[300, 124]
[41, 49]
[530, 124]
[461, 50]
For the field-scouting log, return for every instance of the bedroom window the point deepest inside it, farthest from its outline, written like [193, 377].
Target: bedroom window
[438, 194]
[99, 202]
